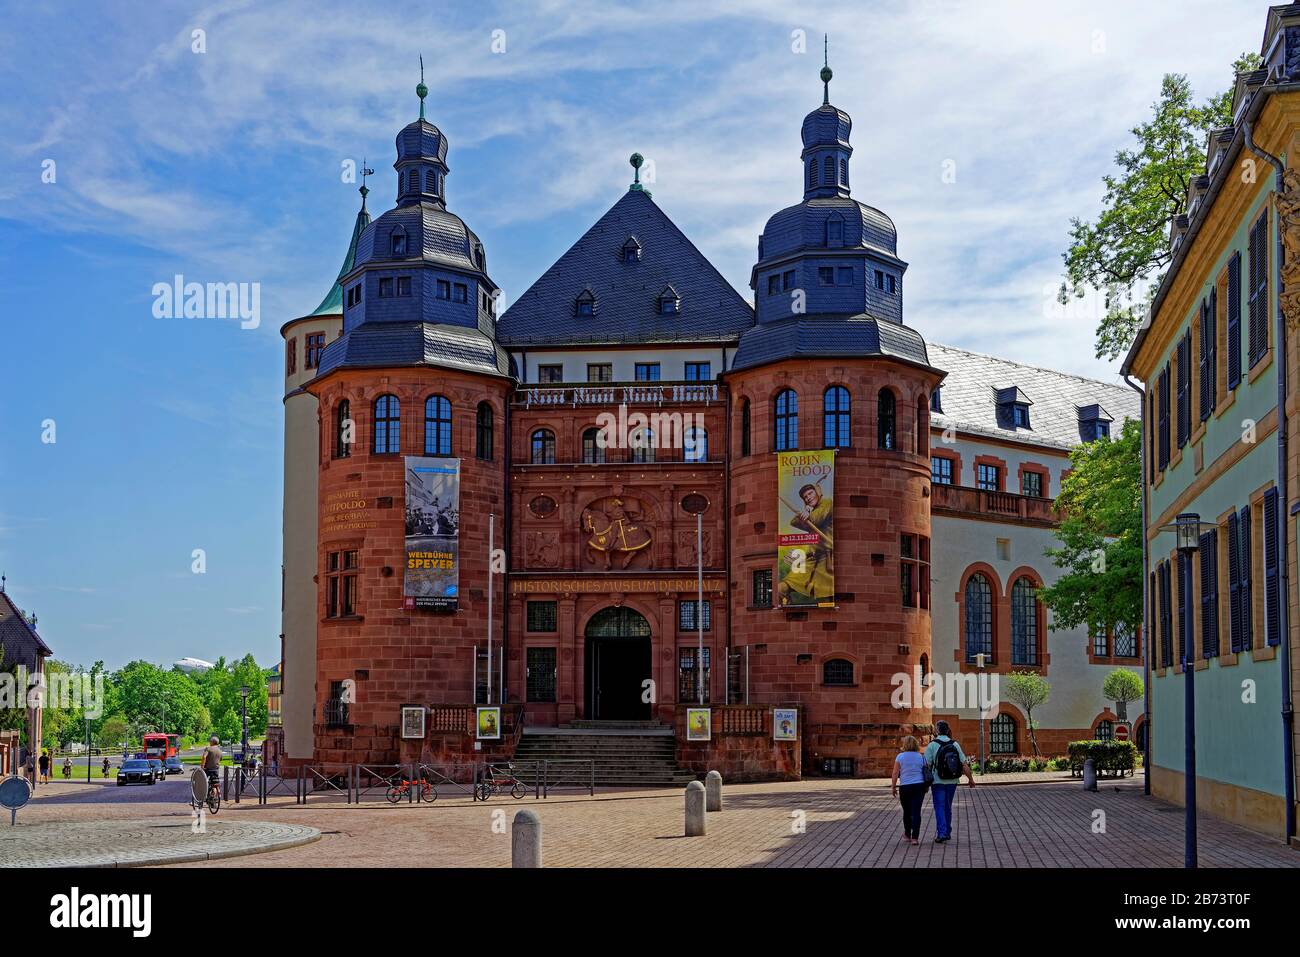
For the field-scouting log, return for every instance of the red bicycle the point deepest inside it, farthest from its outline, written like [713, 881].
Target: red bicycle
[401, 788]
[495, 782]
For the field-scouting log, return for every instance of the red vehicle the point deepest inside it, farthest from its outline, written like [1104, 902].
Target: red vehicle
[161, 746]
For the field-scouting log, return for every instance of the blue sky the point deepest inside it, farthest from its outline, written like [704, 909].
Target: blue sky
[226, 166]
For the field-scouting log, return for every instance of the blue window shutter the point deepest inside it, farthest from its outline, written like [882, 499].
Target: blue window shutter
[1184, 604]
[1203, 363]
[1258, 290]
[1244, 558]
[1272, 624]
[1166, 618]
[1234, 585]
[1234, 320]
[1210, 594]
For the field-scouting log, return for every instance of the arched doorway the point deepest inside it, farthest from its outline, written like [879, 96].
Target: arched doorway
[617, 665]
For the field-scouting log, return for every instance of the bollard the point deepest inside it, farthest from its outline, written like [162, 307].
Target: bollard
[526, 840]
[695, 809]
[1089, 775]
[713, 791]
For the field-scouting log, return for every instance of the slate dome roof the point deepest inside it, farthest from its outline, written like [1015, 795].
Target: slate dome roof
[826, 126]
[804, 225]
[433, 235]
[421, 139]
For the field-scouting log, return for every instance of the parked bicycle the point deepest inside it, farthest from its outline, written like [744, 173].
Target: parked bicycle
[496, 782]
[400, 788]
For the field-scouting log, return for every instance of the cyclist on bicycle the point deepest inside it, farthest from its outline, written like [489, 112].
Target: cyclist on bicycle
[212, 760]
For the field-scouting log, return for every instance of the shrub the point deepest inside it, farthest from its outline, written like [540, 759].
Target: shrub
[1060, 764]
[1114, 756]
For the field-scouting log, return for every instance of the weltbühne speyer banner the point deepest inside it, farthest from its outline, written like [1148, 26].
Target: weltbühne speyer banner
[805, 544]
[432, 533]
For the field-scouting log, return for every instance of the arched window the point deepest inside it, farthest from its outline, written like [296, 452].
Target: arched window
[344, 430]
[642, 441]
[1002, 735]
[593, 451]
[979, 617]
[397, 240]
[925, 667]
[1024, 623]
[543, 451]
[695, 443]
[835, 418]
[745, 442]
[838, 672]
[431, 181]
[828, 171]
[1105, 731]
[886, 426]
[437, 426]
[812, 172]
[484, 426]
[786, 421]
[388, 425]
[922, 426]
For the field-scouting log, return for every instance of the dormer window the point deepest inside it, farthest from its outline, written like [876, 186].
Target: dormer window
[397, 242]
[1013, 408]
[669, 302]
[1094, 423]
[585, 304]
[834, 231]
[631, 250]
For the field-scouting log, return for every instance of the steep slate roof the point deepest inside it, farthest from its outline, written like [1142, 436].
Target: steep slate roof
[970, 398]
[627, 294]
[829, 336]
[394, 344]
[332, 304]
[19, 640]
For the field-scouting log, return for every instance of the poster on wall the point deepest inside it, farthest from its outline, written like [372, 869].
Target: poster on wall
[805, 542]
[488, 724]
[785, 724]
[699, 724]
[432, 533]
[413, 721]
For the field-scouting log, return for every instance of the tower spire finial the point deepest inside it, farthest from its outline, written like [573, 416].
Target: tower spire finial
[421, 91]
[364, 190]
[826, 70]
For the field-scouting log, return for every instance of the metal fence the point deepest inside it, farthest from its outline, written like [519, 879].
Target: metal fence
[356, 783]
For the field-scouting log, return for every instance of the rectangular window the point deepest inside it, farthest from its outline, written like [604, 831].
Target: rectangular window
[404, 286]
[600, 372]
[1257, 290]
[341, 569]
[845, 276]
[787, 279]
[550, 373]
[1234, 321]
[989, 477]
[880, 279]
[542, 616]
[541, 674]
[315, 345]
[336, 709]
[1125, 642]
[825, 275]
[762, 590]
[386, 288]
[686, 620]
[773, 284]
[687, 689]
[914, 570]
[699, 371]
[940, 470]
[837, 767]
[460, 293]
[444, 289]
[1101, 645]
[291, 357]
[1031, 483]
[890, 285]
[647, 372]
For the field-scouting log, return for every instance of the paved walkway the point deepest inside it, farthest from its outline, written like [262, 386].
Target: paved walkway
[1041, 822]
[162, 840]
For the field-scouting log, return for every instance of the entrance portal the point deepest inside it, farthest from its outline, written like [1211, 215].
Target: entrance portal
[618, 662]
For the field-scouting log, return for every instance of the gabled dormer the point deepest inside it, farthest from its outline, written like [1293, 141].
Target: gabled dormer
[670, 303]
[585, 304]
[1094, 422]
[631, 251]
[1013, 408]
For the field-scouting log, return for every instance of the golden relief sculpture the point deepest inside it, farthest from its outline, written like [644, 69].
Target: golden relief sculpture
[1288, 215]
[614, 529]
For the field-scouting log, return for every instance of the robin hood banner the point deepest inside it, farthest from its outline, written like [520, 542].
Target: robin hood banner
[805, 542]
[432, 533]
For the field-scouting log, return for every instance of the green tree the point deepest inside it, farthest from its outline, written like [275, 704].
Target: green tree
[1122, 685]
[1128, 244]
[12, 718]
[1028, 690]
[1101, 537]
[112, 732]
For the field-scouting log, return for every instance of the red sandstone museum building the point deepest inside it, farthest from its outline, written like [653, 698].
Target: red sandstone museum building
[500, 511]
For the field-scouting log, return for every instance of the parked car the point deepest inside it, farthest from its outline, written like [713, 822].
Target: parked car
[174, 765]
[136, 771]
[160, 772]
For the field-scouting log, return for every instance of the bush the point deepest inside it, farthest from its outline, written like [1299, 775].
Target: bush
[1060, 764]
[1114, 756]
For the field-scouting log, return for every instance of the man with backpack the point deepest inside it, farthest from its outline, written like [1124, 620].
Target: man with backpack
[946, 759]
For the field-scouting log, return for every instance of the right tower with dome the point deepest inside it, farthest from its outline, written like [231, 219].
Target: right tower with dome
[829, 489]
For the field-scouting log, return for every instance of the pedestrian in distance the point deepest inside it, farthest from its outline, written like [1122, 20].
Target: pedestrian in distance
[948, 764]
[45, 767]
[910, 781]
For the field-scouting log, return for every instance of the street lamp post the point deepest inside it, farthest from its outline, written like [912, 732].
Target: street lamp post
[980, 661]
[1187, 530]
[243, 741]
[87, 750]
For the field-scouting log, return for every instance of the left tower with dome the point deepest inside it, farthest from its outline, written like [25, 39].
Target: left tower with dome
[414, 371]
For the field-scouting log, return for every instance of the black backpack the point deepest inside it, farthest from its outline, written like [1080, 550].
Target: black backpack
[947, 761]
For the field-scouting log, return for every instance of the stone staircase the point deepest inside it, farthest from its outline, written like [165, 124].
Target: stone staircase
[625, 753]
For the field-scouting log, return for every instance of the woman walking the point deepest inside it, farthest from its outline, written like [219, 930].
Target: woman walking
[909, 786]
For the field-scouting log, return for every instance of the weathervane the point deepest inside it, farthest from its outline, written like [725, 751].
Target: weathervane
[365, 190]
[422, 91]
[826, 70]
